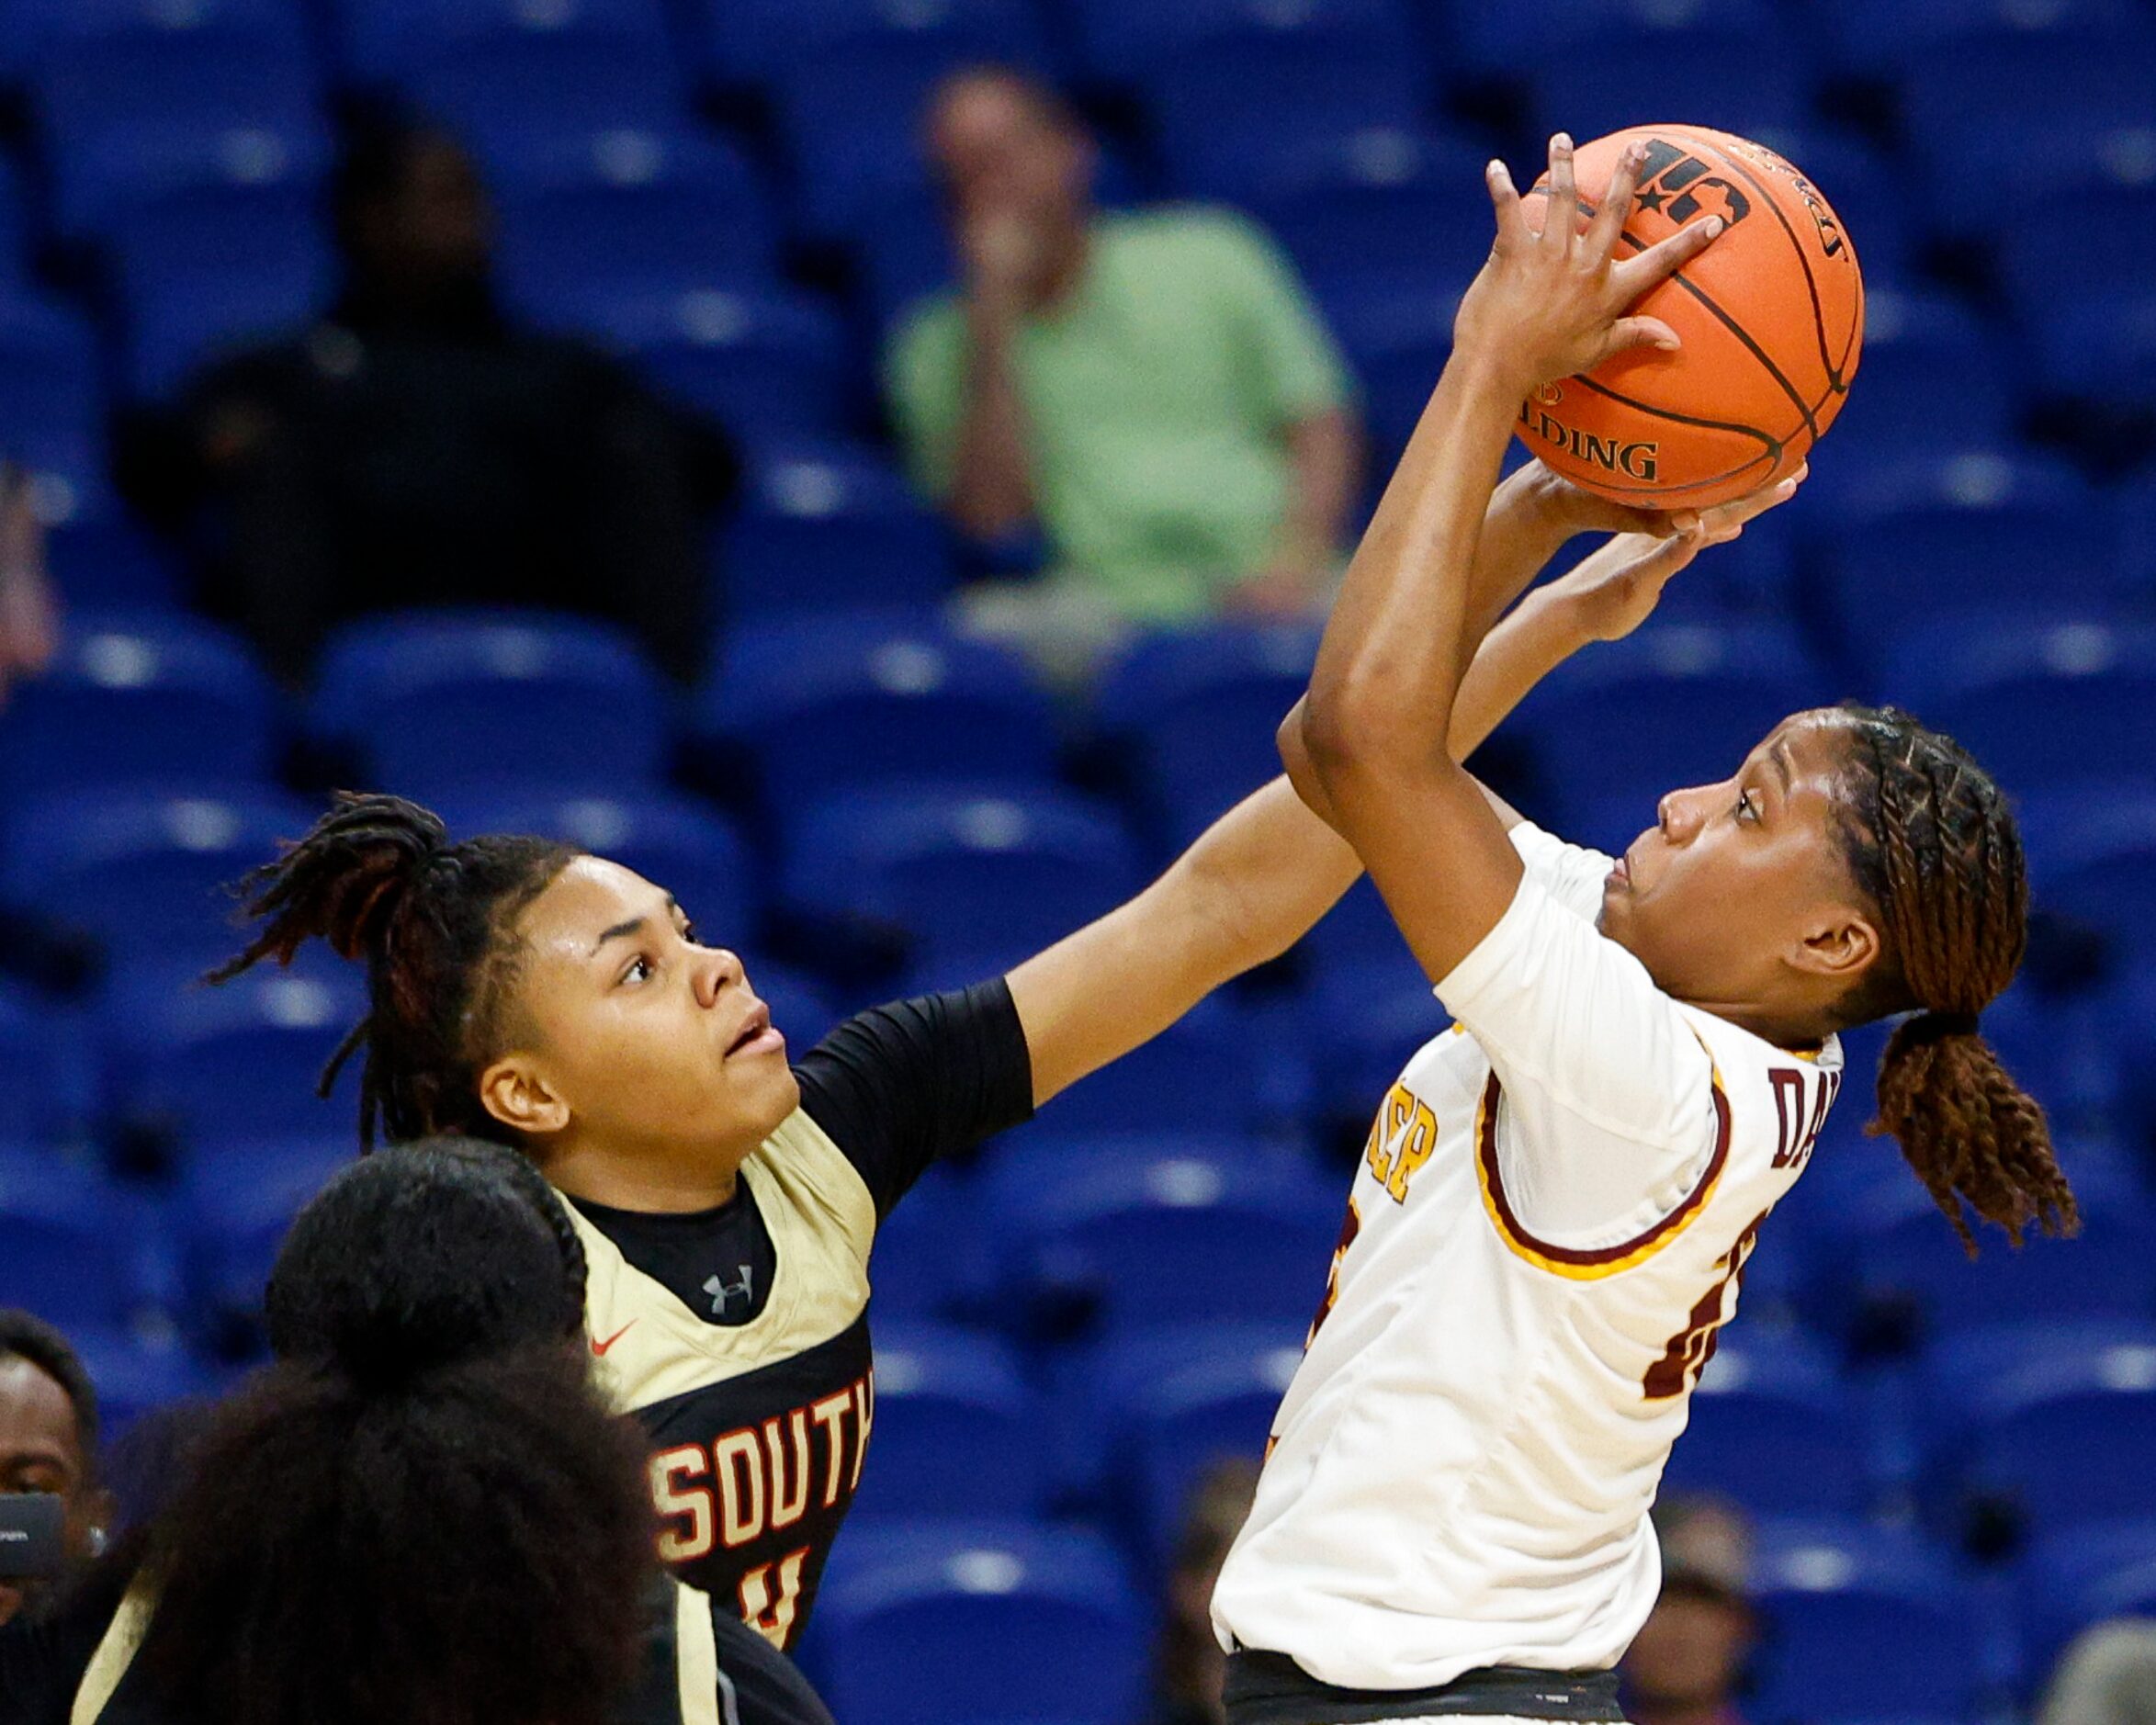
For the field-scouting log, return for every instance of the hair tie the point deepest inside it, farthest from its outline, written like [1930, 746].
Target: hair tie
[1931, 1027]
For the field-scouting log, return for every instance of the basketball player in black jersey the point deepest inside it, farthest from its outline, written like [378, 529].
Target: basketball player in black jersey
[727, 1199]
[423, 1510]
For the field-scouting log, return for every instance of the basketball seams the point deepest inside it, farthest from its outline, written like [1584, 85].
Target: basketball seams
[1834, 371]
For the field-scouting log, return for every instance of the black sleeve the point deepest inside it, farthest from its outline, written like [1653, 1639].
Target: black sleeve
[901, 1084]
[766, 1687]
[43, 1660]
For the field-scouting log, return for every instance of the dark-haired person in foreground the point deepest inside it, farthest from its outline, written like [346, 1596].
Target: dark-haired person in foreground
[424, 1511]
[727, 1197]
[1560, 1194]
[48, 1440]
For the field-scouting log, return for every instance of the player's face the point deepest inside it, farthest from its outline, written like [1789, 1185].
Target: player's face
[1737, 899]
[41, 1450]
[648, 1038]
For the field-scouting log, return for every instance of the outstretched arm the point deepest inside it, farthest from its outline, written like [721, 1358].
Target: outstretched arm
[1378, 720]
[1255, 880]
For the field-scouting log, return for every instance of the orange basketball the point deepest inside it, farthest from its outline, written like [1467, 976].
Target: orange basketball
[1771, 316]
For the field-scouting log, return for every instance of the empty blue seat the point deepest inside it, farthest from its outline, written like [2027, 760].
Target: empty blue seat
[1927, 363]
[52, 415]
[1684, 703]
[1198, 711]
[1916, 540]
[34, 29]
[236, 1208]
[209, 269]
[504, 84]
[926, 1258]
[685, 847]
[1398, 336]
[800, 1008]
[963, 874]
[1870, 40]
[988, 1620]
[956, 1430]
[204, 1065]
[136, 156]
[141, 699]
[1773, 1428]
[1860, 1624]
[133, 1377]
[904, 250]
[822, 705]
[74, 1248]
[2099, 275]
[570, 247]
[2081, 1576]
[823, 529]
[1487, 32]
[2050, 1419]
[1134, 1233]
[1404, 207]
[1168, 1404]
[853, 121]
[388, 40]
[104, 562]
[1205, 1073]
[45, 1078]
[2094, 860]
[772, 366]
[751, 41]
[1370, 1009]
[1719, 74]
[1127, 41]
[2101, 349]
[145, 870]
[2045, 707]
[1262, 95]
[434, 702]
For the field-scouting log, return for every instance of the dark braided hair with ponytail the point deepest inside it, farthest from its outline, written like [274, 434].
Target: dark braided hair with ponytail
[377, 879]
[1930, 839]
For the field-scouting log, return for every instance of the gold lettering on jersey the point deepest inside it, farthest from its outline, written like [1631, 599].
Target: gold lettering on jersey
[786, 1509]
[1400, 1140]
[675, 1499]
[768, 1611]
[736, 1460]
[829, 1414]
[1691, 1348]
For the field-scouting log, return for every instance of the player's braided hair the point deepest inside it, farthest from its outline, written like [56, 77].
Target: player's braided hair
[377, 879]
[1931, 840]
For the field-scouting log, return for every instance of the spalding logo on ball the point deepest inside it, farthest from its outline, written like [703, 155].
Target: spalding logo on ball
[1771, 316]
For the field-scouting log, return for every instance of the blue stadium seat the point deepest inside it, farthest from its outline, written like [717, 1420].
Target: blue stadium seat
[503, 84]
[957, 1429]
[133, 1377]
[837, 703]
[686, 847]
[1861, 1624]
[145, 870]
[236, 1208]
[2051, 1418]
[977, 1613]
[1406, 208]
[570, 247]
[824, 529]
[1129, 1233]
[1774, 1428]
[2051, 706]
[1489, 32]
[73, 1247]
[2094, 860]
[1257, 97]
[2043, 226]
[2101, 349]
[925, 1261]
[1167, 1404]
[1198, 709]
[1916, 540]
[1370, 1009]
[1689, 700]
[1719, 74]
[52, 409]
[1869, 193]
[141, 698]
[109, 563]
[206, 270]
[2017, 104]
[964, 874]
[1205, 1073]
[1871, 40]
[1398, 336]
[134, 157]
[389, 40]
[241, 1060]
[32, 30]
[2080, 1577]
[800, 1008]
[751, 42]
[452, 700]
[14, 225]
[1123, 42]
[1927, 363]
[45, 1081]
[773, 366]
[903, 247]
[851, 123]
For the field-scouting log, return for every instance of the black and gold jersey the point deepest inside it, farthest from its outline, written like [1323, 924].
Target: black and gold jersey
[739, 1337]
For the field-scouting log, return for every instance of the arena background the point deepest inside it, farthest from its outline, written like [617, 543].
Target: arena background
[1951, 1464]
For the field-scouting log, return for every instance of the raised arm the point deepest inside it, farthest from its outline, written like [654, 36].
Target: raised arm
[1378, 721]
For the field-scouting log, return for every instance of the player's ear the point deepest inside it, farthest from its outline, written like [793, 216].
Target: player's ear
[1839, 944]
[515, 1091]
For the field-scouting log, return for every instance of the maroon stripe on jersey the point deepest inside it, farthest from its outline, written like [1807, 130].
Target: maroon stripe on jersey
[1494, 1182]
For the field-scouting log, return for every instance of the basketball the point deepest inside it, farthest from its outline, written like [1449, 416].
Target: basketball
[1771, 316]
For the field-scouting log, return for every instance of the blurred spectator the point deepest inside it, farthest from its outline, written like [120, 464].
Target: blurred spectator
[1152, 391]
[29, 615]
[1190, 1666]
[2106, 1677]
[416, 447]
[48, 1437]
[1687, 1665]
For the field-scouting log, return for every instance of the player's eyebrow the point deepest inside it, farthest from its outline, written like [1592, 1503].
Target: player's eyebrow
[1777, 752]
[635, 925]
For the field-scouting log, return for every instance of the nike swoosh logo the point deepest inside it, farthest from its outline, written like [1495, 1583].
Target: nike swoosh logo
[600, 1348]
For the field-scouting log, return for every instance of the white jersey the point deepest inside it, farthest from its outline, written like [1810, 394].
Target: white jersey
[1548, 1228]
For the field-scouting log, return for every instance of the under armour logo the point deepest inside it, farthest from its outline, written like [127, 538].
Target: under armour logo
[723, 1293]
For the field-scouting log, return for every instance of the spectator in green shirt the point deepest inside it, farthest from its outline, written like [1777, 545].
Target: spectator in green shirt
[1151, 392]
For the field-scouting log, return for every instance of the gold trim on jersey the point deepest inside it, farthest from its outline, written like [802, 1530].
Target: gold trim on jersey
[116, 1651]
[1574, 1264]
[695, 1658]
[651, 1347]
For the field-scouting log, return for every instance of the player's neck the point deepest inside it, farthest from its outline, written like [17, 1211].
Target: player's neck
[666, 1184]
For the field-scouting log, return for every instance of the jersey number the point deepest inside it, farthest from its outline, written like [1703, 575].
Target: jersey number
[769, 1613]
[1691, 1348]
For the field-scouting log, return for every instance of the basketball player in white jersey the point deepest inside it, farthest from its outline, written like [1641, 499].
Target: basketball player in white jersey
[1560, 1193]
